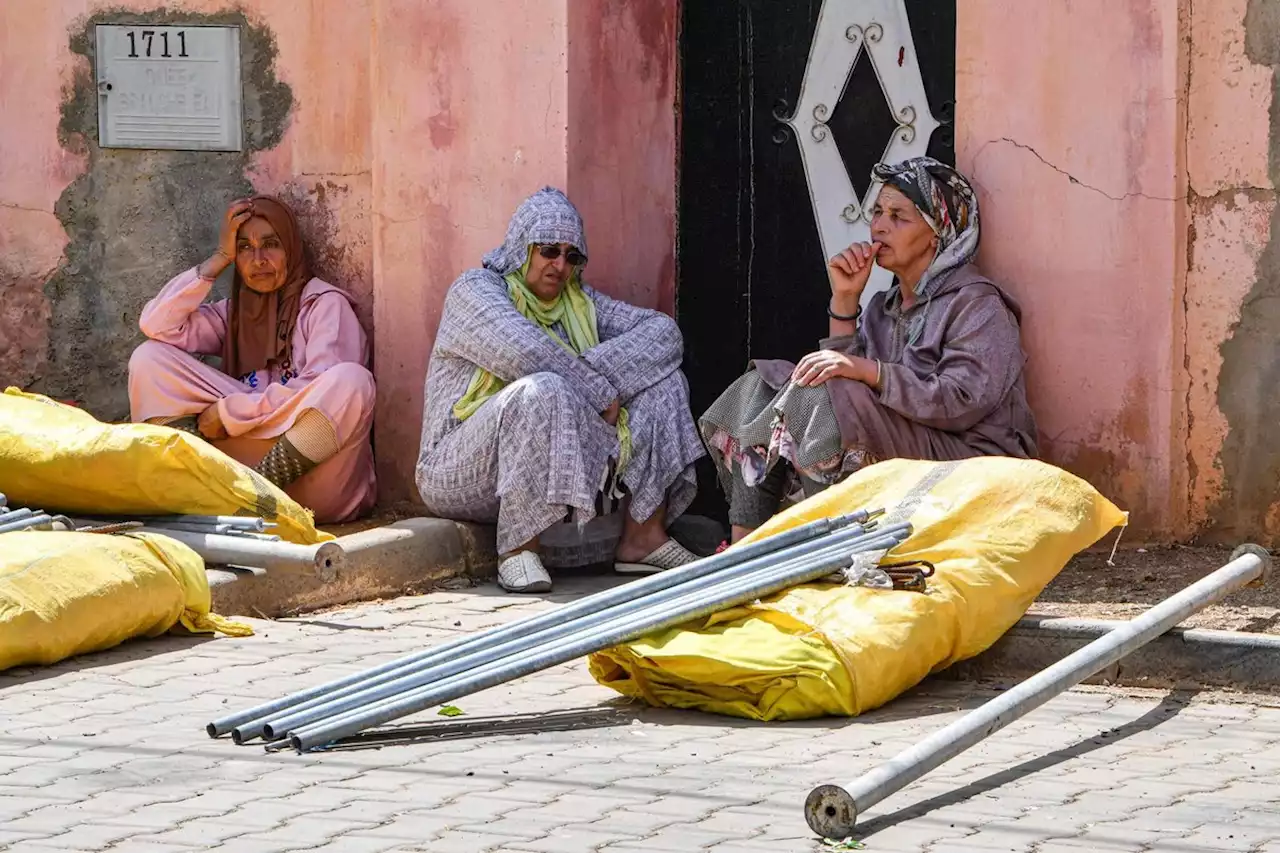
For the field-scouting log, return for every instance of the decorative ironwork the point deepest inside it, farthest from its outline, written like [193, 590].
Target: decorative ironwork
[852, 213]
[820, 131]
[907, 124]
[873, 32]
[782, 114]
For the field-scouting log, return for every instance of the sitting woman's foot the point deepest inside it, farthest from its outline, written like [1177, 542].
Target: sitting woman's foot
[669, 555]
[523, 572]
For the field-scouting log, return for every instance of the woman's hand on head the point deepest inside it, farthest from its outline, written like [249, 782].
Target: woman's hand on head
[817, 367]
[850, 269]
[238, 213]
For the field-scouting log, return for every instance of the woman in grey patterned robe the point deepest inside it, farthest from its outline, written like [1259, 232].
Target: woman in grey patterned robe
[932, 370]
[545, 397]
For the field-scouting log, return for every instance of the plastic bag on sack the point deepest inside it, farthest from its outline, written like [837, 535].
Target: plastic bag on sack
[65, 594]
[61, 458]
[997, 530]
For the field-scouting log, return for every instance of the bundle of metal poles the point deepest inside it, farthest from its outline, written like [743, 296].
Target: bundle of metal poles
[222, 540]
[321, 715]
[26, 518]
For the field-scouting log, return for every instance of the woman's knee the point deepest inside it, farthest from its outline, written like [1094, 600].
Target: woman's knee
[354, 382]
[542, 385]
[151, 357]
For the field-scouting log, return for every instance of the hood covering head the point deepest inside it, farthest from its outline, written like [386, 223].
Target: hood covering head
[948, 204]
[260, 325]
[547, 216]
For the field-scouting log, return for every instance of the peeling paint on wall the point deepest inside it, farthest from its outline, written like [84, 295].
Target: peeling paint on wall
[1249, 381]
[136, 218]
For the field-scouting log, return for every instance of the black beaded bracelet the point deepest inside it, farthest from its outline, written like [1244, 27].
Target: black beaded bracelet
[844, 318]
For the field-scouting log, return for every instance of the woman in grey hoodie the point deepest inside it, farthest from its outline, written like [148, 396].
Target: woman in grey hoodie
[932, 370]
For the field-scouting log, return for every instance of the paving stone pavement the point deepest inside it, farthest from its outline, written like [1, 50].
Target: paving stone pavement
[108, 753]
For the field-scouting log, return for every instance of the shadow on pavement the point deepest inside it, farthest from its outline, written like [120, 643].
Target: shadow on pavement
[1169, 707]
[129, 650]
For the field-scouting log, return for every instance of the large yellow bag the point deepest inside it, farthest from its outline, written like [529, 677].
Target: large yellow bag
[62, 459]
[64, 594]
[997, 530]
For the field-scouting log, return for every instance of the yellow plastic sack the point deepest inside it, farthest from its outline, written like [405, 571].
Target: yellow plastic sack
[64, 594]
[62, 459]
[997, 530]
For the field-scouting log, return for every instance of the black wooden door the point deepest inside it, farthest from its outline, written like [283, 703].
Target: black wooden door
[751, 278]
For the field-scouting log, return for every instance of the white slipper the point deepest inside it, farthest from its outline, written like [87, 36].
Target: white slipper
[670, 555]
[523, 572]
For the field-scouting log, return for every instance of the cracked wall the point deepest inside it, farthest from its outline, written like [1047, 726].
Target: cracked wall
[88, 235]
[1070, 128]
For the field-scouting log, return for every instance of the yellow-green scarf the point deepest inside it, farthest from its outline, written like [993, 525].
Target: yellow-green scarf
[576, 313]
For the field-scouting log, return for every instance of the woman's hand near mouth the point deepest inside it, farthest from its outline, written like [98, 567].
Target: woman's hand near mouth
[850, 270]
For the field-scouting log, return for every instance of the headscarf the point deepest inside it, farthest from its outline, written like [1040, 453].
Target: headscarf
[948, 204]
[260, 325]
[546, 217]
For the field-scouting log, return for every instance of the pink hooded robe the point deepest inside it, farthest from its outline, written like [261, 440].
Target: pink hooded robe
[329, 375]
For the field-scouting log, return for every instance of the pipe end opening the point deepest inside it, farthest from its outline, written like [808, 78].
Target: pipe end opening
[830, 812]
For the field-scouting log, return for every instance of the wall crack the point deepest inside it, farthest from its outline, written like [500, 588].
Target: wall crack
[1005, 140]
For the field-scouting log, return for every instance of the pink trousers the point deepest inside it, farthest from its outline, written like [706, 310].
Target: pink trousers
[165, 382]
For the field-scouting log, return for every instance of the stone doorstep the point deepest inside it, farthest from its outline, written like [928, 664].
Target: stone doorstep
[402, 558]
[420, 554]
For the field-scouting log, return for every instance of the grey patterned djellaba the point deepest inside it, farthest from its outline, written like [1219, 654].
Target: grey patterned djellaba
[538, 452]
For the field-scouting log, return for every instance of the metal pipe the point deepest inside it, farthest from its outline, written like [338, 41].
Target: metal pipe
[832, 811]
[324, 559]
[255, 524]
[249, 534]
[39, 519]
[564, 613]
[14, 515]
[220, 529]
[416, 675]
[697, 604]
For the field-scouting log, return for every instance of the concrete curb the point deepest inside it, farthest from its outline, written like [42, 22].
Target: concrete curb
[403, 558]
[1182, 658]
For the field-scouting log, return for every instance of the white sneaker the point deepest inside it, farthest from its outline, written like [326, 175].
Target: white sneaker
[523, 572]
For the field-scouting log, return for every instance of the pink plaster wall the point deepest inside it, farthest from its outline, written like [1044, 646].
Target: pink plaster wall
[416, 129]
[1069, 124]
[622, 143]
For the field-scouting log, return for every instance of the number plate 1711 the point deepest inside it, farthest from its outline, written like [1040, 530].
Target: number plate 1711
[169, 87]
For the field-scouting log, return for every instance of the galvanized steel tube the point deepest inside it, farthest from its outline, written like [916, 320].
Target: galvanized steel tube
[696, 604]
[38, 519]
[410, 677]
[14, 515]
[324, 559]
[565, 613]
[832, 811]
[253, 523]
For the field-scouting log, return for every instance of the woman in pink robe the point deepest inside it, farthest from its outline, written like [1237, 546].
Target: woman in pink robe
[293, 398]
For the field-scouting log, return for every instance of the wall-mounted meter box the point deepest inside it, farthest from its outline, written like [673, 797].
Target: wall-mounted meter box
[174, 87]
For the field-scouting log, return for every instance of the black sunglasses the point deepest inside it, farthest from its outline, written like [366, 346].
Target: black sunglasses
[572, 257]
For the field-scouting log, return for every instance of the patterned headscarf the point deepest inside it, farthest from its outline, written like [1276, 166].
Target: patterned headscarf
[547, 216]
[948, 204]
